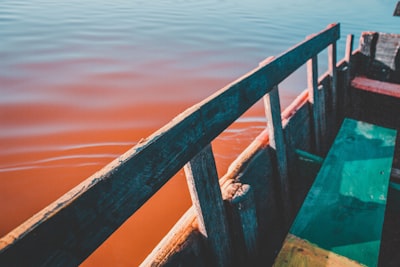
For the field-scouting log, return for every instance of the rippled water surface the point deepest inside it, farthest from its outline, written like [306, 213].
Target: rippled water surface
[83, 81]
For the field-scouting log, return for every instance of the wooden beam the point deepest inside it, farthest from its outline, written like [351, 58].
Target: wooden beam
[349, 49]
[71, 228]
[277, 143]
[174, 241]
[347, 58]
[332, 59]
[374, 86]
[313, 94]
[245, 224]
[202, 179]
[253, 166]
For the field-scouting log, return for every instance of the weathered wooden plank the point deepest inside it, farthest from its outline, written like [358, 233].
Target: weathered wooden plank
[381, 52]
[257, 171]
[252, 166]
[346, 83]
[300, 252]
[298, 132]
[202, 179]
[298, 103]
[324, 97]
[313, 94]
[278, 144]
[245, 225]
[368, 43]
[349, 49]
[348, 196]
[374, 86]
[177, 241]
[387, 48]
[72, 227]
[332, 59]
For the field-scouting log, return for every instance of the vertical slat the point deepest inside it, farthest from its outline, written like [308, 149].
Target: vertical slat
[323, 117]
[245, 225]
[349, 49]
[312, 82]
[347, 58]
[205, 191]
[332, 71]
[277, 142]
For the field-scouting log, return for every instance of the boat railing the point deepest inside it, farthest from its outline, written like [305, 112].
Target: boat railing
[70, 229]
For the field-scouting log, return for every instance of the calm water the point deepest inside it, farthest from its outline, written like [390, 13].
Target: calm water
[82, 81]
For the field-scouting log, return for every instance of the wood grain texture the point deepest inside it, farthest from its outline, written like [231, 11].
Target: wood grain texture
[174, 246]
[298, 133]
[387, 49]
[314, 98]
[349, 49]
[278, 144]
[71, 228]
[300, 252]
[245, 224]
[374, 86]
[347, 78]
[325, 115]
[332, 60]
[348, 196]
[254, 167]
[381, 54]
[202, 179]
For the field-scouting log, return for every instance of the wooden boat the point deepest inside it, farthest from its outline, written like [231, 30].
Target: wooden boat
[244, 217]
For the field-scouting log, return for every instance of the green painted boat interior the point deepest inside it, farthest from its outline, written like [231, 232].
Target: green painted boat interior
[344, 209]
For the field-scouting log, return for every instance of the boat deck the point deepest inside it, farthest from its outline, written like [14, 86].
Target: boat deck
[342, 216]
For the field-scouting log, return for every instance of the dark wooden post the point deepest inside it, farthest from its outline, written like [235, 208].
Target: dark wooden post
[349, 49]
[246, 216]
[347, 58]
[205, 191]
[277, 142]
[332, 71]
[312, 82]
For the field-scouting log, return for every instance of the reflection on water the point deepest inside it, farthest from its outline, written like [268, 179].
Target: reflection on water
[82, 81]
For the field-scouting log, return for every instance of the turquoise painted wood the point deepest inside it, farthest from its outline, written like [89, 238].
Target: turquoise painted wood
[344, 210]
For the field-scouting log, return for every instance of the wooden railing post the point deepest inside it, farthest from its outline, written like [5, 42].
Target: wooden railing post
[312, 81]
[349, 49]
[205, 191]
[245, 225]
[277, 142]
[347, 58]
[332, 71]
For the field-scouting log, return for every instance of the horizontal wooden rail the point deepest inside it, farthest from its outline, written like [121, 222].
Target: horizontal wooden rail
[70, 229]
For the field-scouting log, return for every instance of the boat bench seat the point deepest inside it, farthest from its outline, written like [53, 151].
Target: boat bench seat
[375, 86]
[340, 222]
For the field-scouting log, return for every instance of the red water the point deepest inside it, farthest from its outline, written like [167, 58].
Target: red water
[48, 165]
[83, 81]
[50, 148]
